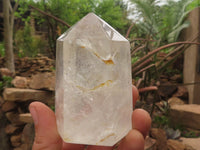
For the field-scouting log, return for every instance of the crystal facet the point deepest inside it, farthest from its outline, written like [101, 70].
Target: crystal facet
[93, 84]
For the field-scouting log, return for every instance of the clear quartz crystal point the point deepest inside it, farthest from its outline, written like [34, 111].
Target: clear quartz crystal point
[93, 83]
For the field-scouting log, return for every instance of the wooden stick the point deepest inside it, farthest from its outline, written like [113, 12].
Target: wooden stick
[51, 16]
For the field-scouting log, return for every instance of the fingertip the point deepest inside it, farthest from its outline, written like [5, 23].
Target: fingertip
[41, 106]
[99, 148]
[35, 104]
[141, 121]
[70, 146]
[33, 112]
[133, 141]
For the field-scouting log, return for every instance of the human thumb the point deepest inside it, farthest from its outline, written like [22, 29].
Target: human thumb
[46, 134]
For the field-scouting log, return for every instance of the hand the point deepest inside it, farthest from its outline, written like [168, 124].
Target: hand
[47, 137]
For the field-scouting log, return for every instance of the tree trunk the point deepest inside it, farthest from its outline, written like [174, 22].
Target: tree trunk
[8, 35]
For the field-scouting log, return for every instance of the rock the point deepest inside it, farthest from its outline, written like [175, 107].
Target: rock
[4, 139]
[175, 145]
[172, 133]
[161, 139]
[14, 118]
[187, 115]
[16, 94]
[22, 147]
[26, 118]
[28, 135]
[193, 143]
[190, 133]
[5, 72]
[188, 147]
[1, 101]
[41, 62]
[177, 78]
[43, 81]
[181, 92]
[10, 129]
[20, 82]
[15, 140]
[150, 144]
[28, 66]
[167, 89]
[175, 101]
[8, 106]
[164, 78]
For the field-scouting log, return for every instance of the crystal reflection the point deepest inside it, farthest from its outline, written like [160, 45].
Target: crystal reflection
[111, 32]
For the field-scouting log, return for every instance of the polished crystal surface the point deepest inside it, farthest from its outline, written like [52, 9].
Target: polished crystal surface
[93, 84]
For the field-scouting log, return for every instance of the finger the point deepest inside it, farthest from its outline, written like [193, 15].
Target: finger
[46, 135]
[135, 95]
[99, 148]
[141, 121]
[68, 146]
[133, 141]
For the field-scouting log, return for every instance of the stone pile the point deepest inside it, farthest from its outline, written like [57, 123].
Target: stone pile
[14, 101]
[27, 66]
[162, 143]
[181, 115]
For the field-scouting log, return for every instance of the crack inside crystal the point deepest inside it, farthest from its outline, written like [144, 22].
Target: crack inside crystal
[108, 61]
[67, 139]
[107, 83]
[108, 136]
